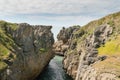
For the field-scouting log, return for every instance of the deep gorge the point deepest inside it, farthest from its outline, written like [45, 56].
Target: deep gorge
[90, 52]
[54, 70]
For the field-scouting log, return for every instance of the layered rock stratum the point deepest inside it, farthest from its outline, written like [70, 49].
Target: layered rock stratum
[24, 50]
[93, 51]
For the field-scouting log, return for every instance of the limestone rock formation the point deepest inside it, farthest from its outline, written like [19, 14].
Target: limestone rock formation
[94, 50]
[66, 33]
[64, 37]
[24, 50]
[89, 52]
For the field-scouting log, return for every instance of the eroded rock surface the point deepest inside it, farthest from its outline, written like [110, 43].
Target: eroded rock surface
[89, 55]
[64, 38]
[29, 50]
[93, 52]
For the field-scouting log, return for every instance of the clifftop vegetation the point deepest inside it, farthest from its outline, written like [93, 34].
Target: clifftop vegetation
[95, 46]
[113, 20]
[6, 42]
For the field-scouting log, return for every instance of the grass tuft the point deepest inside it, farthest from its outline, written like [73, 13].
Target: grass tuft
[43, 50]
[110, 48]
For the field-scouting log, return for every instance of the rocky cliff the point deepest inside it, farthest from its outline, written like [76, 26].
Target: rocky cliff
[63, 37]
[24, 50]
[94, 50]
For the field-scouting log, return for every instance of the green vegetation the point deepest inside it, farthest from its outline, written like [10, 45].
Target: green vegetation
[76, 26]
[43, 50]
[110, 48]
[111, 23]
[6, 40]
[13, 26]
[7, 43]
[110, 65]
[2, 66]
[3, 51]
[113, 20]
[5, 37]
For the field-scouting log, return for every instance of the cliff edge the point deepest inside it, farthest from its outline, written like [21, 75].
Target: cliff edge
[94, 50]
[24, 50]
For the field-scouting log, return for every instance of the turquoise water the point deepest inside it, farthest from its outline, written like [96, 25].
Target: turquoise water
[54, 71]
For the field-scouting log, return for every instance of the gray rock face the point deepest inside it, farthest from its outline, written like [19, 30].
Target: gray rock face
[64, 37]
[33, 51]
[99, 36]
[82, 62]
[66, 33]
[89, 55]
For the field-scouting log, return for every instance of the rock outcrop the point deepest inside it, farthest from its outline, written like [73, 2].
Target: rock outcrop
[94, 50]
[24, 50]
[89, 53]
[64, 37]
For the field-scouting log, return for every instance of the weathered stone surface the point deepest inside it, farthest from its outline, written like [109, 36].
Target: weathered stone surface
[99, 37]
[80, 61]
[60, 48]
[64, 37]
[66, 33]
[32, 51]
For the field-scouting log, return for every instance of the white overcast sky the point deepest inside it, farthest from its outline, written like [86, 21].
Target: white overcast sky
[56, 12]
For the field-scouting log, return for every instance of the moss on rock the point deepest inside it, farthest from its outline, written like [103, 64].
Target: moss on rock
[6, 42]
[2, 66]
